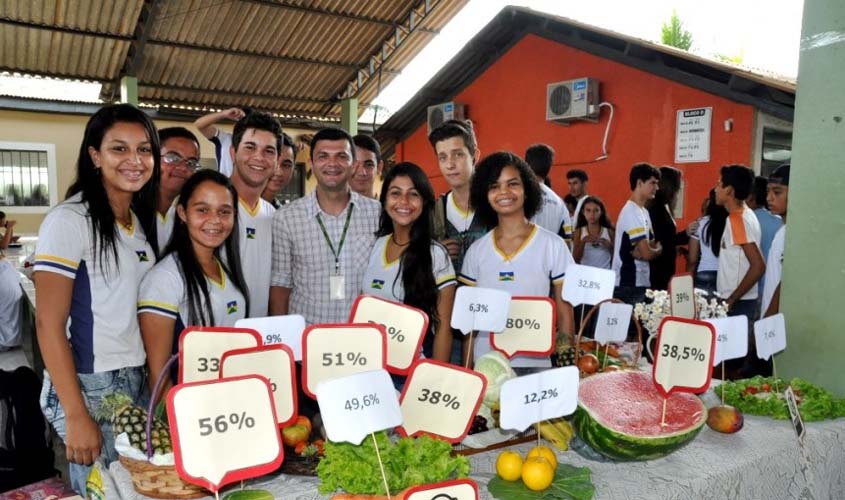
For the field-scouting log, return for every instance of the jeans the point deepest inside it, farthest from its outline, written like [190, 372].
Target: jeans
[95, 386]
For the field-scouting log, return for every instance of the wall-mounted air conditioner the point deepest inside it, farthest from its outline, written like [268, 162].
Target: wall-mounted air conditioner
[442, 112]
[573, 100]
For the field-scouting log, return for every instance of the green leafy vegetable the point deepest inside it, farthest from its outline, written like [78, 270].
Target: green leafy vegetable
[570, 483]
[758, 396]
[408, 462]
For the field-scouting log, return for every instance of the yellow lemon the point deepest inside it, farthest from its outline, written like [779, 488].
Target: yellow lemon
[537, 473]
[509, 465]
[545, 452]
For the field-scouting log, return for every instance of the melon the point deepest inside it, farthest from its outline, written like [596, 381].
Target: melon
[619, 416]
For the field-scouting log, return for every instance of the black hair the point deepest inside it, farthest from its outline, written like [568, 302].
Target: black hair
[369, 143]
[642, 172]
[287, 142]
[454, 128]
[258, 121]
[668, 187]
[332, 134]
[416, 264]
[604, 220]
[487, 173]
[577, 173]
[761, 185]
[739, 177]
[196, 285]
[89, 182]
[713, 229]
[2, 214]
[540, 158]
[570, 200]
[168, 133]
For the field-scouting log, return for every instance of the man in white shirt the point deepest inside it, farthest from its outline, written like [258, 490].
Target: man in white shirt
[777, 198]
[553, 214]
[577, 180]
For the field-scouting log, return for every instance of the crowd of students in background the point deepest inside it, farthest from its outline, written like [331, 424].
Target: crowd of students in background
[146, 243]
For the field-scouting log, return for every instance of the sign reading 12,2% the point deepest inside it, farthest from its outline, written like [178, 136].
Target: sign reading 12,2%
[440, 400]
[200, 350]
[224, 430]
[405, 327]
[685, 349]
[333, 351]
[529, 329]
[529, 399]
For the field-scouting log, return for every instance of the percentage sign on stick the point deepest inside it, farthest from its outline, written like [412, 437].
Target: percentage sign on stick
[404, 326]
[529, 328]
[273, 361]
[334, 351]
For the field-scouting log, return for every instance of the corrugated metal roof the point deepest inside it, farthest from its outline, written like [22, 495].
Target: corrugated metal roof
[285, 56]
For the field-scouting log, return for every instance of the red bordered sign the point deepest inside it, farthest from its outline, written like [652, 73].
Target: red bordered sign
[276, 363]
[200, 349]
[529, 330]
[404, 325]
[337, 350]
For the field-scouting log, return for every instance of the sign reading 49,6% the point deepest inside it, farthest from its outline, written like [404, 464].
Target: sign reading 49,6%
[685, 349]
[200, 350]
[529, 329]
[274, 362]
[334, 351]
[224, 430]
[440, 400]
[405, 327]
[357, 405]
[540, 396]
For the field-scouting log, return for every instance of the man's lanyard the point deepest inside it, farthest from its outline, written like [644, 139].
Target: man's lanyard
[336, 253]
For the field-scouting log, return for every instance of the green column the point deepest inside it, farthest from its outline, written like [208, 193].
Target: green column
[349, 115]
[813, 285]
[129, 90]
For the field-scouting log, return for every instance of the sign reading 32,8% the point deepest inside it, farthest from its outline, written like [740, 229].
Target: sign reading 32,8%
[684, 352]
[484, 309]
[587, 284]
[200, 350]
[770, 336]
[285, 330]
[682, 296]
[405, 327]
[440, 400]
[224, 430]
[529, 329]
[529, 399]
[274, 362]
[333, 351]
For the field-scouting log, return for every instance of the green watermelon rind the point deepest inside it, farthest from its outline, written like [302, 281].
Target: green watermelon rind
[624, 447]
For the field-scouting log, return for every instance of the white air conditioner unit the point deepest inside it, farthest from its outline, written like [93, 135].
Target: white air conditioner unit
[573, 100]
[442, 112]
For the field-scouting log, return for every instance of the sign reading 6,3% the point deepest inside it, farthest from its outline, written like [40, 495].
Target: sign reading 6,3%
[476, 308]
[340, 350]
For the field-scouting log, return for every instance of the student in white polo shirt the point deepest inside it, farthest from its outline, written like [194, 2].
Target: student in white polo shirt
[91, 255]
[553, 214]
[517, 256]
[777, 198]
[195, 283]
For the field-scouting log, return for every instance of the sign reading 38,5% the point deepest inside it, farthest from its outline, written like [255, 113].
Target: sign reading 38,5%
[405, 327]
[224, 430]
[685, 349]
[333, 351]
[529, 329]
[440, 400]
[200, 350]
[476, 308]
[274, 362]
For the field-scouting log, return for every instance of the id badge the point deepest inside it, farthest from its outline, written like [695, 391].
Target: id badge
[337, 287]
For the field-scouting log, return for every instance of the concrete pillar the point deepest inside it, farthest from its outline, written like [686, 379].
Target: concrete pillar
[129, 90]
[813, 283]
[349, 115]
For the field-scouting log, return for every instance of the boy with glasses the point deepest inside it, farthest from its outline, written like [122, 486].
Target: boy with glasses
[180, 151]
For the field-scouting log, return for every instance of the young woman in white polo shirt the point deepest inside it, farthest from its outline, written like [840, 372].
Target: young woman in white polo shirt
[92, 251]
[516, 256]
[197, 282]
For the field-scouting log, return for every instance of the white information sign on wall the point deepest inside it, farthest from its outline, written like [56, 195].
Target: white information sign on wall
[692, 135]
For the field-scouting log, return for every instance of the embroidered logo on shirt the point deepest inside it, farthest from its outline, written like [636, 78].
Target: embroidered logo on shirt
[232, 307]
[377, 284]
[250, 233]
[142, 255]
[506, 276]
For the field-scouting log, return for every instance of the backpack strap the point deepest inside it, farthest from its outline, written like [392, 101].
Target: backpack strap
[438, 224]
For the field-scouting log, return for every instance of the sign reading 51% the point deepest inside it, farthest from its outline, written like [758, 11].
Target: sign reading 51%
[334, 351]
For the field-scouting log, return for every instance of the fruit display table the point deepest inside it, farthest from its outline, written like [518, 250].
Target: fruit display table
[763, 460]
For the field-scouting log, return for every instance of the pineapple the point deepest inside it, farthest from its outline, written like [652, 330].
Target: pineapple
[125, 416]
[566, 355]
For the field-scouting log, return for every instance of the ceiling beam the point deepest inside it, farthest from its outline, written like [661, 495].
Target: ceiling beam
[62, 29]
[324, 12]
[232, 93]
[203, 108]
[143, 28]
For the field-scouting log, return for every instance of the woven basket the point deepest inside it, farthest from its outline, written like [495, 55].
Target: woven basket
[159, 481]
[586, 321]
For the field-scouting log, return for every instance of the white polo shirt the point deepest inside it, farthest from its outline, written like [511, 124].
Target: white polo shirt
[164, 225]
[774, 268]
[553, 215]
[256, 247]
[742, 228]
[222, 142]
[633, 225]
[102, 325]
[384, 279]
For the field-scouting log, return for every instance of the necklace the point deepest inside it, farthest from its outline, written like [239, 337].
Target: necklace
[126, 222]
[393, 239]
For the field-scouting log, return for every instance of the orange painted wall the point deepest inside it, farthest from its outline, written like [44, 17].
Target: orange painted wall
[507, 106]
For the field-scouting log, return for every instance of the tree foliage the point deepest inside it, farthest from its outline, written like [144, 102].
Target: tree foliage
[674, 34]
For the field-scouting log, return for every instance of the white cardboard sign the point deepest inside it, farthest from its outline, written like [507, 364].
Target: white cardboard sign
[285, 330]
[612, 323]
[731, 337]
[770, 335]
[484, 309]
[540, 396]
[587, 284]
[682, 296]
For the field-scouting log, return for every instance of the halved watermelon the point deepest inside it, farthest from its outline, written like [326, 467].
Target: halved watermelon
[619, 416]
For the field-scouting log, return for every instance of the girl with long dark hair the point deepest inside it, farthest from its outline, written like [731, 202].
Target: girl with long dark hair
[93, 250]
[704, 244]
[592, 240]
[406, 264]
[194, 284]
[516, 256]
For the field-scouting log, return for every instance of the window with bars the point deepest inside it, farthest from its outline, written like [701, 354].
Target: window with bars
[26, 172]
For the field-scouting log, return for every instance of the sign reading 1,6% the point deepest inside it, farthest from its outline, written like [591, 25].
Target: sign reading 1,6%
[405, 327]
[333, 351]
[529, 329]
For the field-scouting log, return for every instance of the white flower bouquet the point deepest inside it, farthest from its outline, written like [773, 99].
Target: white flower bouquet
[652, 313]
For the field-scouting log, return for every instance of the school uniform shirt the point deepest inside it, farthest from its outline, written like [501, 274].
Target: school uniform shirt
[633, 226]
[10, 306]
[163, 292]
[774, 268]
[742, 228]
[222, 142]
[708, 260]
[541, 261]
[596, 256]
[383, 278]
[256, 245]
[578, 209]
[164, 225]
[553, 215]
[102, 325]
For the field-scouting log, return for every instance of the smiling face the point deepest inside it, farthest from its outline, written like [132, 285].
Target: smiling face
[124, 159]
[507, 195]
[331, 162]
[282, 173]
[364, 171]
[174, 175]
[209, 216]
[255, 158]
[455, 161]
[403, 202]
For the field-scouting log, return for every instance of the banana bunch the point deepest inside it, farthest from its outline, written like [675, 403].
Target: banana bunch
[557, 431]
